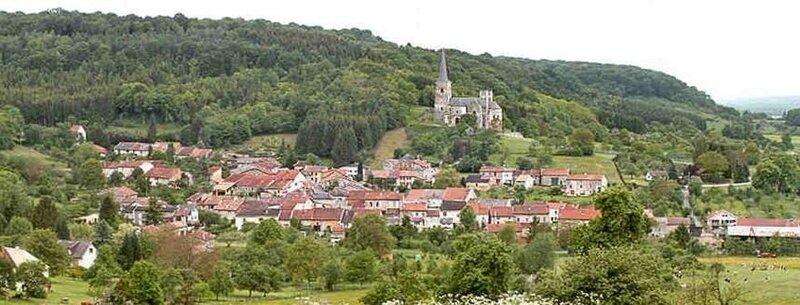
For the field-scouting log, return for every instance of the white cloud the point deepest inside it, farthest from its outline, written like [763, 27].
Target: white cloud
[726, 48]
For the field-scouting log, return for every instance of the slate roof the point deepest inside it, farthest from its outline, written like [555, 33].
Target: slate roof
[76, 248]
[134, 146]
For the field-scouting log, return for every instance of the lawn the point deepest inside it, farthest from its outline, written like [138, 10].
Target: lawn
[766, 287]
[266, 143]
[777, 138]
[31, 154]
[73, 290]
[393, 139]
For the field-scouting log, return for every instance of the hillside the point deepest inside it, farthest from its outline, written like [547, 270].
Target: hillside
[220, 82]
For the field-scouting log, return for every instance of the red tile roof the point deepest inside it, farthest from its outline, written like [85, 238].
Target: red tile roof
[170, 173]
[455, 194]
[319, 214]
[531, 209]
[767, 222]
[501, 211]
[414, 207]
[578, 214]
[382, 195]
[479, 209]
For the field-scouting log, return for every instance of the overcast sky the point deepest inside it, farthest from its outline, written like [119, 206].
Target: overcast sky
[730, 49]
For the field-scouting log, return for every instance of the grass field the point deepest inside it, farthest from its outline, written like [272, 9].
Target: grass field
[75, 291]
[393, 139]
[777, 138]
[266, 143]
[33, 155]
[597, 163]
[765, 287]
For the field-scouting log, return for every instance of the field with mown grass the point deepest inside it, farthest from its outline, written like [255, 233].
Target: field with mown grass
[75, 291]
[31, 155]
[763, 287]
[265, 143]
[777, 138]
[393, 139]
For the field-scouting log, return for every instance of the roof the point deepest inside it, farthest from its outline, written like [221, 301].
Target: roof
[476, 179]
[203, 235]
[495, 169]
[126, 164]
[134, 146]
[501, 211]
[495, 202]
[250, 208]
[382, 195]
[19, 256]
[738, 230]
[314, 169]
[122, 192]
[442, 68]
[164, 173]
[414, 207]
[75, 128]
[676, 221]
[100, 149]
[76, 248]
[319, 214]
[455, 194]
[578, 213]
[586, 177]
[554, 172]
[767, 222]
[531, 209]
[453, 205]
[479, 209]
[424, 194]
[720, 213]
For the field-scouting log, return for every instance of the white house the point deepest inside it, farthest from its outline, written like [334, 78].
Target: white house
[79, 132]
[720, 218]
[83, 253]
[585, 185]
[17, 257]
[132, 148]
[126, 168]
[501, 174]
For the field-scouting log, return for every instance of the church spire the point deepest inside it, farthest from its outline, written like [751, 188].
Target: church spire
[442, 68]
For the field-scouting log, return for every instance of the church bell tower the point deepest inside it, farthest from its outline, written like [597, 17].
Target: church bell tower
[443, 87]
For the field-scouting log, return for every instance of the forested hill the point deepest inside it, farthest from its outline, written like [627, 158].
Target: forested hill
[343, 87]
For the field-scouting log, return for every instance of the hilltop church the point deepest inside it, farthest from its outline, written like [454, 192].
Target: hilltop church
[449, 109]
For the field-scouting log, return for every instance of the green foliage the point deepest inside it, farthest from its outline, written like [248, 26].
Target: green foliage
[257, 268]
[8, 282]
[130, 251]
[103, 233]
[13, 195]
[620, 275]
[153, 214]
[792, 117]
[361, 267]
[482, 266]
[622, 221]
[779, 173]
[305, 259]
[90, 175]
[582, 140]
[11, 122]
[266, 231]
[34, 282]
[44, 245]
[109, 211]
[144, 279]
[45, 214]
[712, 163]
[369, 232]
[105, 269]
[17, 229]
[538, 254]
[332, 274]
[221, 283]
[508, 234]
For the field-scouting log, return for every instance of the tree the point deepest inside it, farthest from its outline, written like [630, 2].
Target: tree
[361, 267]
[582, 139]
[257, 269]
[779, 173]
[44, 245]
[345, 147]
[62, 229]
[332, 274]
[11, 122]
[81, 231]
[45, 214]
[153, 214]
[116, 179]
[447, 177]
[306, 258]
[90, 175]
[8, 282]
[105, 269]
[109, 211]
[620, 275]
[369, 232]
[508, 234]
[786, 141]
[145, 283]
[792, 117]
[103, 233]
[31, 275]
[482, 266]
[221, 282]
[18, 228]
[266, 231]
[13, 195]
[130, 251]
[622, 221]
[712, 288]
[405, 230]
[712, 163]
[524, 163]
[538, 254]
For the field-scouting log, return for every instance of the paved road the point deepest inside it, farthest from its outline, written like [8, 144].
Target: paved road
[727, 184]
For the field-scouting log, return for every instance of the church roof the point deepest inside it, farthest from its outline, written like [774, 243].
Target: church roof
[442, 68]
[468, 102]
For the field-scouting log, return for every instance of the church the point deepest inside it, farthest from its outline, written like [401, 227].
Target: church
[449, 109]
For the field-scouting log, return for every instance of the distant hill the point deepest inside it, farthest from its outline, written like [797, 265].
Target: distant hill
[773, 106]
[224, 81]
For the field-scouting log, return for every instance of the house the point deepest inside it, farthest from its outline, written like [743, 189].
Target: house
[525, 181]
[432, 197]
[656, 175]
[322, 220]
[79, 132]
[479, 182]
[186, 214]
[572, 215]
[215, 175]
[521, 229]
[553, 177]
[136, 149]
[256, 211]
[720, 219]
[501, 214]
[501, 174]
[416, 212]
[164, 147]
[382, 200]
[121, 193]
[166, 176]
[352, 170]
[665, 225]
[194, 152]
[126, 168]
[314, 172]
[90, 219]
[423, 169]
[83, 253]
[450, 213]
[585, 185]
[764, 228]
[100, 150]
[531, 213]
[458, 194]
[17, 257]
[481, 212]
